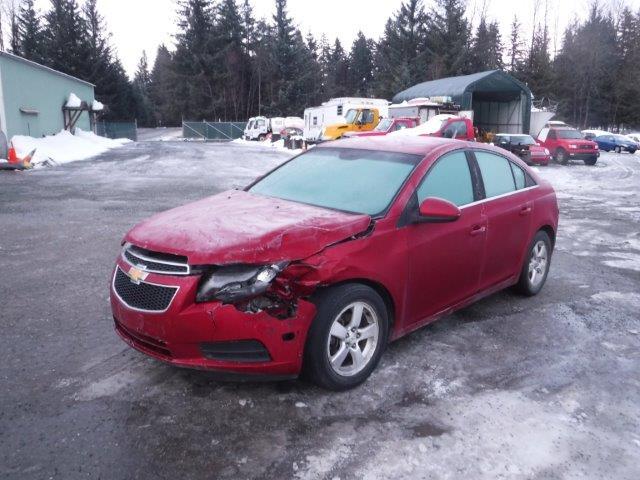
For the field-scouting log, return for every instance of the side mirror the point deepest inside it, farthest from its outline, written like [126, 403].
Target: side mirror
[438, 210]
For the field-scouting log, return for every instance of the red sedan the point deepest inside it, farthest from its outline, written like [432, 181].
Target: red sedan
[316, 266]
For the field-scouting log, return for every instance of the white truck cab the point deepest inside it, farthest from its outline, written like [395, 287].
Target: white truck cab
[257, 129]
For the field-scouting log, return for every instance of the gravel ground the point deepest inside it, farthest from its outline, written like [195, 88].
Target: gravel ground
[546, 387]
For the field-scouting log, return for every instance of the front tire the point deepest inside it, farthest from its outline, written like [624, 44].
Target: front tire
[536, 266]
[591, 161]
[618, 149]
[561, 156]
[347, 337]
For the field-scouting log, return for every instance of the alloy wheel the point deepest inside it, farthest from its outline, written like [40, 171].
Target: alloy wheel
[353, 338]
[538, 263]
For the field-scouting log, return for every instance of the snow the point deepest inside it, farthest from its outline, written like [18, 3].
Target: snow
[64, 147]
[97, 106]
[430, 126]
[73, 101]
[279, 145]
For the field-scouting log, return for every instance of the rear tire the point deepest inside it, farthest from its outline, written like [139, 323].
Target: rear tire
[561, 156]
[347, 337]
[536, 265]
[618, 149]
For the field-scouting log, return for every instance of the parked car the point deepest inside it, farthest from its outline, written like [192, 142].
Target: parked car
[288, 276]
[616, 143]
[386, 125]
[592, 134]
[566, 143]
[524, 146]
[443, 125]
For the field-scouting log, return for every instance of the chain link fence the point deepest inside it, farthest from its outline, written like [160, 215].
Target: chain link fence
[118, 130]
[213, 131]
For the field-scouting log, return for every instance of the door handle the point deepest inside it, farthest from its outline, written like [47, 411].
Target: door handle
[477, 230]
[526, 210]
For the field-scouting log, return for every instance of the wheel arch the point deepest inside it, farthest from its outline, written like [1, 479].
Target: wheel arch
[548, 229]
[378, 287]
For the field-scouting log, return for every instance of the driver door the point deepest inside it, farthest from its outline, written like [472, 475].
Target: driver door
[446, 259]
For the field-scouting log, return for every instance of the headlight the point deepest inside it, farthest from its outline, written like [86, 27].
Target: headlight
[547, 152]
[596, 146]
[234, 283]
[573, 146]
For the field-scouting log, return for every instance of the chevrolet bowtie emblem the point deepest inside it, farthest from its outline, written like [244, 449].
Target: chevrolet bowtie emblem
[136, 275]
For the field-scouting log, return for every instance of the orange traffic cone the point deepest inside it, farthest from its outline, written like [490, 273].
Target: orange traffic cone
[13, 157]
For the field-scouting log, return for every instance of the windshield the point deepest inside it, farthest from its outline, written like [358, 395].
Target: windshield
[350, 117]
[522, 140]
[351, 180]
[384, 125]
[569, 134]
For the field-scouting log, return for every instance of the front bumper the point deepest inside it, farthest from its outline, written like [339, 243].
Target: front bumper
[184, 333]
[583, 154]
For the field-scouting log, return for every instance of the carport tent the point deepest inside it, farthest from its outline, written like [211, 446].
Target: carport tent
[500, 103]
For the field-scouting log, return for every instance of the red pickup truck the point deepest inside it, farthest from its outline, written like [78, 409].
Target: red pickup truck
[386, 125]
[566, 143]
[443, 125]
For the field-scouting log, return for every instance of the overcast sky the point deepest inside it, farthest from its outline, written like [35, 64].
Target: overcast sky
[138, 25]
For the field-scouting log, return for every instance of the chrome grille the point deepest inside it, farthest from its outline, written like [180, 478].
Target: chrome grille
[156, 262]
[143, 296]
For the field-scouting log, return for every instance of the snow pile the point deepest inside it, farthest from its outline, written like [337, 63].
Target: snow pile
[277, 145]
[97, 106]
[432, 125]
[64, 147]
[74, 101]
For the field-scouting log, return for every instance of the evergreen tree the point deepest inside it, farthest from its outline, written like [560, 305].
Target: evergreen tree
[31, 45]
[361, 66]
[141, 94]
[162, 88]
[449, 38]
[402, 54]
[486, 49]
[65, 39]
[515, 52]
[337, 72]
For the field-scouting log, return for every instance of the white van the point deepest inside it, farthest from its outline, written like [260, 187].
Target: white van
[257, 128]
[334, 111]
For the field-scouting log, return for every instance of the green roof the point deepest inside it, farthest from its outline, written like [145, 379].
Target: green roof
[493, 83]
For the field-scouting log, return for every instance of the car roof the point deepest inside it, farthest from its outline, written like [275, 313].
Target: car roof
[401, 144]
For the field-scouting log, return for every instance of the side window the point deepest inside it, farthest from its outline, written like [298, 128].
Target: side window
[455, 129]
[519, 176]
[261, 123]
[400, 126]
[552, 135]
[496, 174]
[368, 116]
[449, 179]
[542, 136]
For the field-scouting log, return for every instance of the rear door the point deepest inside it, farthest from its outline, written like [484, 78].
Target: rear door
[508, 208]
[445, 259]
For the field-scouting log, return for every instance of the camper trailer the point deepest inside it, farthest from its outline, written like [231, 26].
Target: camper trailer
[336, 111]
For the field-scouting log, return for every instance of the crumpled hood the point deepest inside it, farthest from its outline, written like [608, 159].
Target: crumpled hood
[239, 227]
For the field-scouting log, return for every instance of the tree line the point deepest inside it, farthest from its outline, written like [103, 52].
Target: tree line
[227, 65]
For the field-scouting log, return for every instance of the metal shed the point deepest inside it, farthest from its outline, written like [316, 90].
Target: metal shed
[32, 97]
[500, 103]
